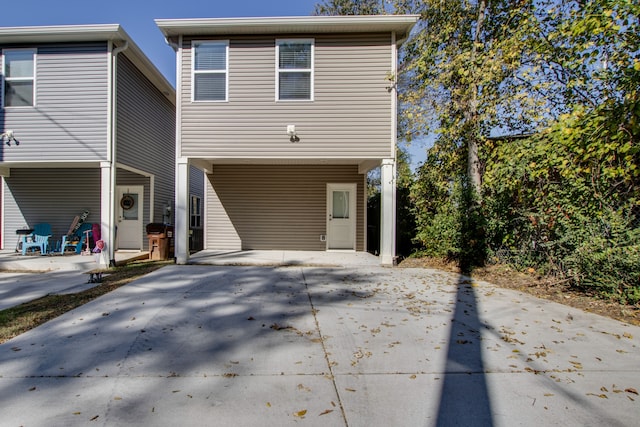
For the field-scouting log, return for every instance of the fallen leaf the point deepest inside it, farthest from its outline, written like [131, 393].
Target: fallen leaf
[32, 389]
[413, 377]
[268, 405]
[117, 398]
[300, 413]
[601, 396]
[16, 348]
[94, 418]
[627, 335]
[631, 390]
[77, 413]
[350, 389]
[328, 411]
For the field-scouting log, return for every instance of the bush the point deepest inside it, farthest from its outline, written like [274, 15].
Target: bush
[608, 263]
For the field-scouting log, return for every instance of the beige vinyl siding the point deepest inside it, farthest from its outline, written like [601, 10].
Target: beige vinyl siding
[54, 196]
[69, 120]
[275, 207]
[350, 116]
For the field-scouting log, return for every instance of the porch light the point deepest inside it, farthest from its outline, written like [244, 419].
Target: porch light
[291, 131]
[8, 137]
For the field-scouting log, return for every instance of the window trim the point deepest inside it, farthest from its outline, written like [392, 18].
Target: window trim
[194, 44]
[311, 70]
[4, 79]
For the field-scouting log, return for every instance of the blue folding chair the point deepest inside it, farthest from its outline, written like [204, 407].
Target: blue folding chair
[38, 239]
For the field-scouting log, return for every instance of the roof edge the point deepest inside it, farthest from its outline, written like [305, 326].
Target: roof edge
[288, 24]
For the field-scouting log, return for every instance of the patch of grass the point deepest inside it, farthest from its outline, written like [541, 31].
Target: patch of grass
[17, 320]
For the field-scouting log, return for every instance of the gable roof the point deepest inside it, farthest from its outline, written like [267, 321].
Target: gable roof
[399, 24]
[90, 33]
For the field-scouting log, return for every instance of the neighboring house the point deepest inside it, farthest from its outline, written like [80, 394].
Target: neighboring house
[286, 116]
[95, 122]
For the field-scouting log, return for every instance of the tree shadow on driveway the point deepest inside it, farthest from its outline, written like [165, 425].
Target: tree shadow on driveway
[465, 399]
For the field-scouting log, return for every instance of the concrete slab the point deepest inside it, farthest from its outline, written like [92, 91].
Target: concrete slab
[356, 346]
[18, 288]
[29, 277]
[275, 258]
[14, 261]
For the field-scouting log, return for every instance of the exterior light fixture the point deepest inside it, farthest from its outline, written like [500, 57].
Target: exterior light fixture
[8, 137]
[291, 131]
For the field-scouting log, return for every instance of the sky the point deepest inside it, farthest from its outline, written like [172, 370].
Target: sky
[137, 19]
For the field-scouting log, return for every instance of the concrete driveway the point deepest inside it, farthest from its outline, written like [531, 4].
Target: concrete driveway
[358, 346]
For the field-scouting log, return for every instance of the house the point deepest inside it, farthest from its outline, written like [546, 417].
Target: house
[89, 125]
[286, 116]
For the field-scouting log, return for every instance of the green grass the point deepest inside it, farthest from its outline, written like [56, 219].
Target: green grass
[19, 319]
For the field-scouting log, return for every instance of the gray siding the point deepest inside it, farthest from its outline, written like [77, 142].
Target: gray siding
[146, 133]
[196, 188]
[349, 118]
[54, 196]
[275, 207]
[69, 120]
[196, 182]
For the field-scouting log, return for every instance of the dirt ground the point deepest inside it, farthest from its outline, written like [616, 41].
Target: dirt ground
[541, 287]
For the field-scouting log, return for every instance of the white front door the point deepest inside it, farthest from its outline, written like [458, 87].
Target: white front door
[341, 216]
[129, 202]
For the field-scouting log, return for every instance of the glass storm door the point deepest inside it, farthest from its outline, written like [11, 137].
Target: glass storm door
[129, 217]
[341, 216]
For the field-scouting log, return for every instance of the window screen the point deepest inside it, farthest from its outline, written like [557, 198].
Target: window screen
[19, 72]
[295, 69]
[210, 66]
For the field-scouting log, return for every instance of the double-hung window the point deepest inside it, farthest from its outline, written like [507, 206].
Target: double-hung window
[294, 62]
[210, 70]
[18, 70]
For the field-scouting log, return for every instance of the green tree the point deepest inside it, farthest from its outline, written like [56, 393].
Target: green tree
[459, 69]
[569, 197]
[350, 7]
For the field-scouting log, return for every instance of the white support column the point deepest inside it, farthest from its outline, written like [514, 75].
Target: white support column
[388, 212]
[107, 215]
[181, 230]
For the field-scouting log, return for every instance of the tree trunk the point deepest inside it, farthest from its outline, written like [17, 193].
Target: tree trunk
[473, 161]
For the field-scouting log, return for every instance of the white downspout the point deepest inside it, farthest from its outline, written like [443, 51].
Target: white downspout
[113, 110]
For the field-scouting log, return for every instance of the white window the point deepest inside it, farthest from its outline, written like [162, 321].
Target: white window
[195, 212]
[210, 70]
[294, 76]
[18, 70]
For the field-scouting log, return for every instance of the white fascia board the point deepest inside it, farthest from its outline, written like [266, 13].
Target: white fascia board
[401, 24]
